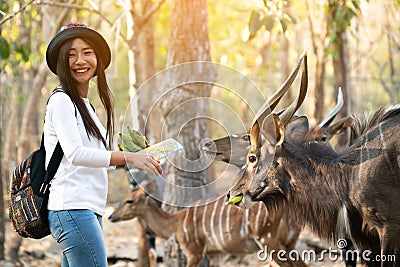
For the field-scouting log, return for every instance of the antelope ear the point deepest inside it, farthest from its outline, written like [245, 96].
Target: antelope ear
[273, 129]
[341, 125]
[297, 130]
[150, 187]
[255, 134]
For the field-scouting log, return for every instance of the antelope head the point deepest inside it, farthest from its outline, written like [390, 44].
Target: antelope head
[262, 153]
[231, 149]
[134, 204]
[325, 130]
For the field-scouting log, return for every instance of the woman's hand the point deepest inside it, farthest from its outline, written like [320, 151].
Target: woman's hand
[143, 161]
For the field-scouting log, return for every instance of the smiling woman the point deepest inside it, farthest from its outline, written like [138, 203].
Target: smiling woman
[78, 192]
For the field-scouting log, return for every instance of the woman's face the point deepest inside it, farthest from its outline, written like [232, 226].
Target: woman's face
[82, 62]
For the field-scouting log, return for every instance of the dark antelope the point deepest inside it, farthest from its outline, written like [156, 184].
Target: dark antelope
[212, 227]
[233, 149]
[350, 193]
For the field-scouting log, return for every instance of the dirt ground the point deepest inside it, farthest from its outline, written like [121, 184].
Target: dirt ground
[121, 248]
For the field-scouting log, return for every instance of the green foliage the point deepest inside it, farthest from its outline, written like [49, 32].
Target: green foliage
[4, 8]
[4, 44]
[273, 16]
[340, 14]
[4, 48]
[257, 19]
[23, 51]
[259, 59]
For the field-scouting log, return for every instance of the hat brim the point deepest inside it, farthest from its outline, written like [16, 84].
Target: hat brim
[101, 47]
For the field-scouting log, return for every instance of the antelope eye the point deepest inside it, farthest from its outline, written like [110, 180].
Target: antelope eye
[324, 138]
[129, 201]
[252, 159]
[246, 137]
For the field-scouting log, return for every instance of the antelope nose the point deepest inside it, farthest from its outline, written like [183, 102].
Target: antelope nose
[207, 145]
[112, 218]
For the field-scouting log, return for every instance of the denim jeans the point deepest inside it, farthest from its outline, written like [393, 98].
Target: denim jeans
[81, 237]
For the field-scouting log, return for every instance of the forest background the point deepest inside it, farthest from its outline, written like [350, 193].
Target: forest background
[352, 44]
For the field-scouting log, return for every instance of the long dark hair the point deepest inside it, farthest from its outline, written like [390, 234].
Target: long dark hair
[106, 97]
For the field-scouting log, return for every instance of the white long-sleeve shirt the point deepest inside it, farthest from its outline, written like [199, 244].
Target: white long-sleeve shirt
[81, 181]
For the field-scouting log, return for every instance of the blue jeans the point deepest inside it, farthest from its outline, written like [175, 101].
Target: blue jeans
[81, 237]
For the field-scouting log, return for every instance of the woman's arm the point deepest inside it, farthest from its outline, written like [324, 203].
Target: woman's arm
[142, 161]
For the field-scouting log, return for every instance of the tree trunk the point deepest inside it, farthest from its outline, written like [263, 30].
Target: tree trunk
[150, 121]
[2, 208]
[135, 73]
[188, 42]
[285, 68]
[284, 58]
[340, 67]
[319, 52]
[8, 156]
[319, 88]
[141, 66]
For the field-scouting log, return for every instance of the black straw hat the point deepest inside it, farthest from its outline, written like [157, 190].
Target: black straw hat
[77, 30]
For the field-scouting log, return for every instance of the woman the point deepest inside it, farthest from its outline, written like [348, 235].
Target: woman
[79, 189]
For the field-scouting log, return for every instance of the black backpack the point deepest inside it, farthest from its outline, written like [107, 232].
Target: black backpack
[29, 193]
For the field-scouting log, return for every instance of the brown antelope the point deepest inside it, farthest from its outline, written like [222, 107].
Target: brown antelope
[350, 193]
[211, 227]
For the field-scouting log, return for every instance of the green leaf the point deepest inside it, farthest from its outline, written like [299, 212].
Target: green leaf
[4, 48]
[356, 4]
[23, 51]
[4, 7]
[269, 22]
[256, 21]
[290, 18]
[283, 25]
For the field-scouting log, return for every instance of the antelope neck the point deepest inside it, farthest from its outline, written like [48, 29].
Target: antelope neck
[323, 185]
[160, 222]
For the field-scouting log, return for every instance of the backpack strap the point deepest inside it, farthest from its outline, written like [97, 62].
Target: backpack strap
[54, 163]
[59, 89]
[57, 155]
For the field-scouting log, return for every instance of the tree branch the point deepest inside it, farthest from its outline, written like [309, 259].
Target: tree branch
[149, 14]
[91, 9]
[10, 16]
